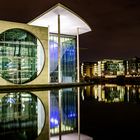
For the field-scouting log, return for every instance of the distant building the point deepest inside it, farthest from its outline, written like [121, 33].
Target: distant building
[111, 68]
[133, 67]
[89, 69]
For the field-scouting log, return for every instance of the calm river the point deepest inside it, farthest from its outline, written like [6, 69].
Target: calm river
[106, 112]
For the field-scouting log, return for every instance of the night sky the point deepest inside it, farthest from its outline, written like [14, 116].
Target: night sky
[115, 24]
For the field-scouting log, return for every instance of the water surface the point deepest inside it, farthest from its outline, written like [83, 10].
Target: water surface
[111, 111]
[106, 112]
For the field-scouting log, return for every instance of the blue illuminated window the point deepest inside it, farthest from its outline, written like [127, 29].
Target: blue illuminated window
[68, 58]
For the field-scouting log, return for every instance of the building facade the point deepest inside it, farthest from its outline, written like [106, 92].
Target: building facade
[68, 58]
[89, 69]
[133, 67]
[45, 50]
[22, 49]
[103, 68]
[111, 68]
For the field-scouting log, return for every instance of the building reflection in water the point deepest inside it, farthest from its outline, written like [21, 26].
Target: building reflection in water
[112, 93]
[68, 112]
[28, 116]
[20, 115]
[113, 111]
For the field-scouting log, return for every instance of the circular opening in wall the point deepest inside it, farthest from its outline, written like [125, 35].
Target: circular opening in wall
[21, 56]
[22, 116]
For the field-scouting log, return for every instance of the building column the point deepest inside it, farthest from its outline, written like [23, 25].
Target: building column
[59, 52]
[78, 65]
[49, 80]
[78, 80]
[59, 78]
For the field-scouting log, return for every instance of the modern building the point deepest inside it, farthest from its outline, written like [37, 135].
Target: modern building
[45, 50]
[133, 67]
[104, 68]
[111, 67]
[89, 69]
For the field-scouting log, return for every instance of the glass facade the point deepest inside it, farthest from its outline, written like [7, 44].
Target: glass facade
[68, 58]
[21, 56]
[19, 116]
[68, 110]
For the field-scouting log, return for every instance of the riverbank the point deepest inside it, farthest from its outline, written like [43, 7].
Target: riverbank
[96, 80]
[42, 86]
[120, 80]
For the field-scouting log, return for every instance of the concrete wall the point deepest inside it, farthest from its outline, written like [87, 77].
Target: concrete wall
[42, 34]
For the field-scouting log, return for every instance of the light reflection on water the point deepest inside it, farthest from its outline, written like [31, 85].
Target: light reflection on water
[19, 116]
[22, 114]
[112, 93]
[111, 111]
[68, 112]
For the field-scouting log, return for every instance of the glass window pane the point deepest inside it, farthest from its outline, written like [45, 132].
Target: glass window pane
[20, 59]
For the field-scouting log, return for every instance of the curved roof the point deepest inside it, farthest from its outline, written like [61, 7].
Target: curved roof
[69, 21]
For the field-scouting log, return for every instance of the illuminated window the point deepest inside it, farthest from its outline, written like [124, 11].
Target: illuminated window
[21, 56]
[68, 58]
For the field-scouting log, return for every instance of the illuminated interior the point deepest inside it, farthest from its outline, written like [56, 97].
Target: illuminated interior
[68, 58]
[71, 26]
[21, 56]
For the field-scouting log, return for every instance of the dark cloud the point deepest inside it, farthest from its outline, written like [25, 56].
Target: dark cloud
[115, 24]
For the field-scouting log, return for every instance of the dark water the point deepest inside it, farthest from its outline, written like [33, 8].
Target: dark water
[111, 112]
[106, 112]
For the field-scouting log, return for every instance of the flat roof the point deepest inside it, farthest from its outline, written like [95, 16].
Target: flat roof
[69, 21]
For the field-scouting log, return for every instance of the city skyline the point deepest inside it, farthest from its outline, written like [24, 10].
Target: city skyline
[115, 24]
